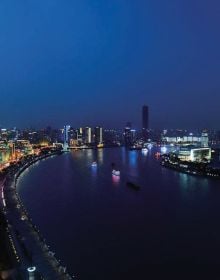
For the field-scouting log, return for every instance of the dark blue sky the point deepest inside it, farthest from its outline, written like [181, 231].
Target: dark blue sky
[98, 61]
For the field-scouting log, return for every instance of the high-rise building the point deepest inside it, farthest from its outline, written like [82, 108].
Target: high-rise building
[98, 135]
[145, 121]
[66, 137]
[204, 140]
[88, 135]
[133, 135]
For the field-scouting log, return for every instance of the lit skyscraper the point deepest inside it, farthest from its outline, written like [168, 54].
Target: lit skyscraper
[88, 135]
[204, 139]
[66, 137]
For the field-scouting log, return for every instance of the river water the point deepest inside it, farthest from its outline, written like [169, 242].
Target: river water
[103, 230]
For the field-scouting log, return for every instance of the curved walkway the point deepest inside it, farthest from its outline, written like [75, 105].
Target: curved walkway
[29, 244]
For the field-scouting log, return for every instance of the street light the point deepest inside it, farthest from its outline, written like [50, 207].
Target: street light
[31, 272]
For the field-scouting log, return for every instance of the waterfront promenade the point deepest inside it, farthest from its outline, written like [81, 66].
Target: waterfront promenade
[29, 246]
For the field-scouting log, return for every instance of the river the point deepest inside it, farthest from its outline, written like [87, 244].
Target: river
[102, 229]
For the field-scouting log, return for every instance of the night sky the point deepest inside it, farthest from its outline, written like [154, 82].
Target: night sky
[88, 62]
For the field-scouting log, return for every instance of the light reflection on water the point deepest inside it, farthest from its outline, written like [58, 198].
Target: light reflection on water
[94, 171]
[191, 186]
[115, 179]
[89, 155]
[133, 155]
[100, 156]
[144, 153]
[133, 164]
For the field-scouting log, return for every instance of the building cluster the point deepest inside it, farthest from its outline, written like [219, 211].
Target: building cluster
[183, 137]
[191, 148]
[194, 154]
[82, 137]
[192, 145]
[12, 151]
[15, 144]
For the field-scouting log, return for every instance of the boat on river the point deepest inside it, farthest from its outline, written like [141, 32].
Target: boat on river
[115, 172]
[133, 185]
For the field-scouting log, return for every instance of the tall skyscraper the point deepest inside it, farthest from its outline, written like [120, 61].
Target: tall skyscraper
[204, 139]
[145, 121]
[98, 135]
[88, 135]
[66, 137]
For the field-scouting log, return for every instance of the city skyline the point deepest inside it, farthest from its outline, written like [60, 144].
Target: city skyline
[101, 58]
[109, 139]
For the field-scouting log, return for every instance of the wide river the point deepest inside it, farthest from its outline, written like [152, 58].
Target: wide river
[103, 230]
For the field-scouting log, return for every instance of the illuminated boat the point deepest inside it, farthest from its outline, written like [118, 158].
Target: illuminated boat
[115, 172]
[134, 147]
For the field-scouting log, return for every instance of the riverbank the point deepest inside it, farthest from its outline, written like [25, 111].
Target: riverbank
[30, 247]
[191, 168]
